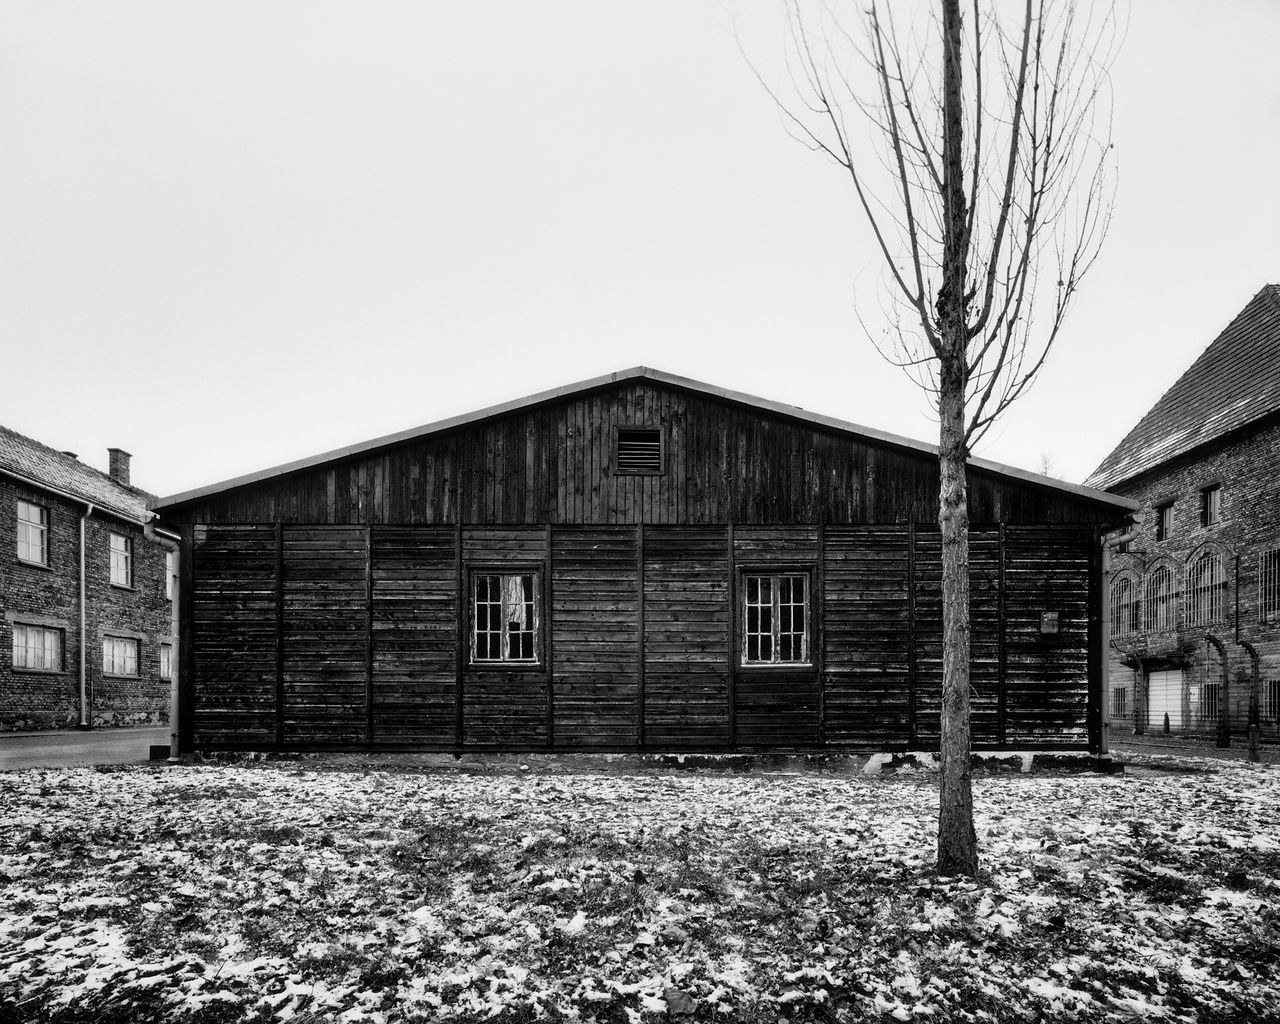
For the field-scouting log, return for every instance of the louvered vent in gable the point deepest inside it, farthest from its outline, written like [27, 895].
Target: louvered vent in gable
[639, 450]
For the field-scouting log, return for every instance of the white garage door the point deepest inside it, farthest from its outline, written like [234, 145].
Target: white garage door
[1164, 697]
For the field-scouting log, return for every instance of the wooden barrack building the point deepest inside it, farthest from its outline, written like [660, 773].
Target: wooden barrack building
[635, 562]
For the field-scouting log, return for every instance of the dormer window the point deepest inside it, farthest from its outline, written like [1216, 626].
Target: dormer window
[639, 450]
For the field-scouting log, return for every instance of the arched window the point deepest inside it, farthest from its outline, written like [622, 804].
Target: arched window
[1159, 601]
[1124, 607]
[1206, 590]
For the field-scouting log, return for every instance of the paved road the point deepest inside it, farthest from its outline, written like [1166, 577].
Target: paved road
[75, 749]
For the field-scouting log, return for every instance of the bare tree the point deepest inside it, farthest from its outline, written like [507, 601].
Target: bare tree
[992, 195]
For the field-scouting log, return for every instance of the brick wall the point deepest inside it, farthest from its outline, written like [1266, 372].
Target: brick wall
[49, 596]
[1247, 468]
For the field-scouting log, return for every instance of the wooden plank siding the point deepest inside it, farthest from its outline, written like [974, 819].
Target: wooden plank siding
[325, 636]
[595, 602]
[686, 637]
[331, 607]
[554, 464]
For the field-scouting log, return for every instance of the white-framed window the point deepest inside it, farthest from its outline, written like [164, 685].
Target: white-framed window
[37, 648]
[1211, 505]
[505, 617]
[170, 574]
[1269, 585]
[1124, 607]
[1160, 602]
[1206, 590]
[33, 533]
[121, 560]
[775, 618]
[166, 661]
[1120, 702]
[119, 656]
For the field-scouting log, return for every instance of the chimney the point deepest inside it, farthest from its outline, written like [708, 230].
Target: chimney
[119, 465]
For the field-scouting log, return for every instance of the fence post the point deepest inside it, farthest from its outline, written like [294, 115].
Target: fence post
[1255, 684]
[1224, 707]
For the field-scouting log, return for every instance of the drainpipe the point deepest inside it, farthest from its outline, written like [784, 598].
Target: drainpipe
[170, 544]
[84, 638]
[1104, 747]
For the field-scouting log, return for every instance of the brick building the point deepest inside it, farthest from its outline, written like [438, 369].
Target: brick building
[85, 597]
[1200, 583]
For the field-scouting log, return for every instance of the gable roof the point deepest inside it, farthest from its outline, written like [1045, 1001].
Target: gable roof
[41, 466]
[1235, 381]
[791, 412]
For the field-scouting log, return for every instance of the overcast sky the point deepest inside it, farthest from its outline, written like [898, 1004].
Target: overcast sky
[236, 234]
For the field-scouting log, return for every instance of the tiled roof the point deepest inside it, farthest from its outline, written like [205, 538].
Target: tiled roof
[1235, 381]
[50, 468]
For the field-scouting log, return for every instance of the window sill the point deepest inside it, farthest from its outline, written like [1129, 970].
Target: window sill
[34, 565]
[113, 675]
[506, 666]
[775, 666]
[124, 586]
[39, 671]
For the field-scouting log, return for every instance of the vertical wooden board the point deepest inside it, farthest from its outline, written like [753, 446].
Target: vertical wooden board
[593, 622]
[865, 635]
[414, 635]
[686, 636]
[325, 626]
[232, 662]
[1047, 673]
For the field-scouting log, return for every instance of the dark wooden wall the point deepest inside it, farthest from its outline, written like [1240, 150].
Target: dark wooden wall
[312, 636]
[724, 463]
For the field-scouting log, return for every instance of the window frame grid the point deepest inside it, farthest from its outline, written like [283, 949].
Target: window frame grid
[1120, 702]
[503, 633]
[166, 662]
[115, 666]
[1153, 603]
[775, 575]
[122, 558]
[1125, 615]
[1210, 701]
[51, 647]
[1269, 585]
[23, 529]
[1206, 602]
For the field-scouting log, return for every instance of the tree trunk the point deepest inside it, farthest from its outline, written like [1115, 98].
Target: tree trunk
[957, 841]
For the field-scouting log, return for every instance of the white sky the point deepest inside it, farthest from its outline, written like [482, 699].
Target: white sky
[234, 234]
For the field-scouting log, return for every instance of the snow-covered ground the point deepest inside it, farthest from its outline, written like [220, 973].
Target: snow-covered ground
[315, 892]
